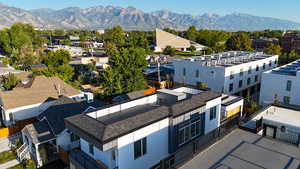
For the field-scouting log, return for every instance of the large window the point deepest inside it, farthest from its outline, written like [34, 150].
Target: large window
[213, 113]
[189, 131]
[184, 71]
[91, 148]
[288, 85]
[140, 148]
[256, 78]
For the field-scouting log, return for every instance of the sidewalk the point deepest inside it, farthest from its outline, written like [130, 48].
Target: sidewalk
[9, 164]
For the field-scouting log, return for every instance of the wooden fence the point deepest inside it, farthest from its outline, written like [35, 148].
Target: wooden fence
[9, 131]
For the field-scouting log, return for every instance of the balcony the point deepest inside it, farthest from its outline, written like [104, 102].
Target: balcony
[80, 160]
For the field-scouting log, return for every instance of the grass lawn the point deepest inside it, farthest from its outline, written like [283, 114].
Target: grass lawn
[7, 156]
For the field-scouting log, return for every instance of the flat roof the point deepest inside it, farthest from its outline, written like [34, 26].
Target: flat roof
[290, 69]
[283, 116]
[107, 128]
[228, 59]
[244, 150]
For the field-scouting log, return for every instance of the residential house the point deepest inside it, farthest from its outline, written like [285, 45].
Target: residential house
[261, 43]
[281, 85]
[235, 72]
[164, 39]
[44, 139]
[33, 96]
[140, 133]
[290, 41]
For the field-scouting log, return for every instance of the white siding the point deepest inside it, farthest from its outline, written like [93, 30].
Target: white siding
[276, 84]
[218, 77]
[105, 157]
[157, 146]
[210, 125]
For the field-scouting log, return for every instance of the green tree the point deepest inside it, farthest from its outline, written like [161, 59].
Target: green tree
[239, 41]
[5, 41]
[10, 81]
[116, 36]
[57, 58]
[110, 48]
[192, 33]
[126, 72]
[169, 51]
[273, 49]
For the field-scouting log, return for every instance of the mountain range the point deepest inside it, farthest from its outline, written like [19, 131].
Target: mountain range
[101, 17]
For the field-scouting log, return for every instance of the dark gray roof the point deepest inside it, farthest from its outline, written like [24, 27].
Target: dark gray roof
[196, 101]
[129, 96]
[63, 108]
[39, 132]
[108, 128]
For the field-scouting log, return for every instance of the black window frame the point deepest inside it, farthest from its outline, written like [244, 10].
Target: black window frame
[140, 148]
[213, 113]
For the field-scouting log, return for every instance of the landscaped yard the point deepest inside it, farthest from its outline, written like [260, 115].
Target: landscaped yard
[7, 156]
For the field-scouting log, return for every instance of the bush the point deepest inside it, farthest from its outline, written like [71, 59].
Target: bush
[10, 82]
[169, 51]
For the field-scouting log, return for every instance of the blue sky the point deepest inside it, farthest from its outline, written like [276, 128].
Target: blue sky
[284, 9]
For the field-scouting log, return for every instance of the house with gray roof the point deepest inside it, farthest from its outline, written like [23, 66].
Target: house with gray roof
[140, 132]
[42, 140]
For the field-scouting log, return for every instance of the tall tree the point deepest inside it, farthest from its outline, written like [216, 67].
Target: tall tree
[115, 35]
[273, 49]
[126, 72]
[239, 41]
[192, 33]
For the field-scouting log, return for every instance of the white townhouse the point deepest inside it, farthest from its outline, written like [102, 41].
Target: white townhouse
[281, 84]
[235, 72]
[31, 97]
[139, 133]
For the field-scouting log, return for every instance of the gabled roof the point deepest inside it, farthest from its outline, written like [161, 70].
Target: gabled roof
[65, 107]
[164, 39]
[39, 132]
[39, 90]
